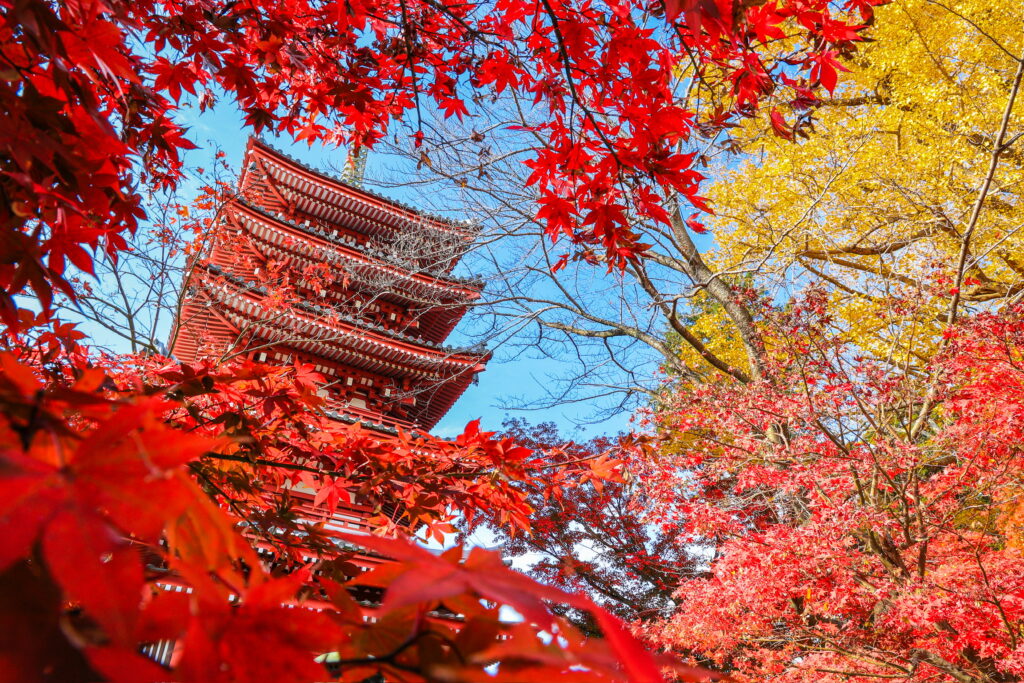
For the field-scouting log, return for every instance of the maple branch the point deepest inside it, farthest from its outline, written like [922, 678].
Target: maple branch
[406, 28]
[861, 674]
[626, 330]
[943, 665]
[390, 658]
[996, 601]
[570, 82]
[262, 462]
[232, 503]
[563, 463]
[583, 332]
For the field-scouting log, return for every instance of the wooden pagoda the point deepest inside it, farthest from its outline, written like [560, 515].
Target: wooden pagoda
[376, 299]
[374, 279]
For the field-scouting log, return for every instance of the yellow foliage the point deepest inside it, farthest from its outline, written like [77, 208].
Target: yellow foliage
[875, 201]
[711, 325]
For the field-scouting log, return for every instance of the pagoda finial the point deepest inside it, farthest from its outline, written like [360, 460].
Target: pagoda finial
[355, 166]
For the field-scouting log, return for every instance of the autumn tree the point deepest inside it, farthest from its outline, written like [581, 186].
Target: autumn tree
[595, 538]
[851, 547]
[899, 192]
[132, 298]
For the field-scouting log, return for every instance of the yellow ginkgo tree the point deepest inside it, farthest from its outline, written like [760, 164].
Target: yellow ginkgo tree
[902, 192]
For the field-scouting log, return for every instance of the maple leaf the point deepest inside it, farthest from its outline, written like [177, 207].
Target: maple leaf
[264, 635]
[693, 224]
[558, 214]
[482, 573]
[123, 479]
[127, 469]
[779, 125]
[454, 107]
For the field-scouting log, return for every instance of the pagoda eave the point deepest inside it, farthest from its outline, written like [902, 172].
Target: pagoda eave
[275, 230]
[250, 307]
[314, 192]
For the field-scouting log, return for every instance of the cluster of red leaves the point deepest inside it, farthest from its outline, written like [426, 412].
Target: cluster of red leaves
[294, 444]
[594, 537]
[840, 544]
[89, 91]
[121, 479]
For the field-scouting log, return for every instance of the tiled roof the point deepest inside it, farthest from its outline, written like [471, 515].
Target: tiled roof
[464, 226]
[365, 249]
[246, 285]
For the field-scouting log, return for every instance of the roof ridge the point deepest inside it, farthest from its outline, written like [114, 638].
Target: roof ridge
[463, 225]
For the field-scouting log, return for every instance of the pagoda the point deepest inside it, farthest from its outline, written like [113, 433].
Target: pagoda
[373, 300]
[376, 294]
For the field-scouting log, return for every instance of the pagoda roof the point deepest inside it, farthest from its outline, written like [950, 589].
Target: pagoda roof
[367, 254]
[381, 427]
[443, 303]
[322, 194]
[441, 375]
[378, 345]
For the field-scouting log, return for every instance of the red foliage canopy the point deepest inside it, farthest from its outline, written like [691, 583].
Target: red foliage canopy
[89, 91]
[142, 504]
[844, 545]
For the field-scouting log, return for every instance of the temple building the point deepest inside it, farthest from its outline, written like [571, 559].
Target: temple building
[374, 297]
[305, 267]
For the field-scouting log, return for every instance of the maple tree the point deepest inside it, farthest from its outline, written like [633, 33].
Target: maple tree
[594, 537]
[845, 543]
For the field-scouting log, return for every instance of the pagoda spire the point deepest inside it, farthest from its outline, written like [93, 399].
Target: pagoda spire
[355, 166]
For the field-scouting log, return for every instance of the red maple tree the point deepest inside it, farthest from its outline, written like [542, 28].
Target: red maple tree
[120, 481]
[843, 542]
[594, 536]
[90, 89]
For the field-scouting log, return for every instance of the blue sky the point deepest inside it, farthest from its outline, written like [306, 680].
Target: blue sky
[507, 380]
